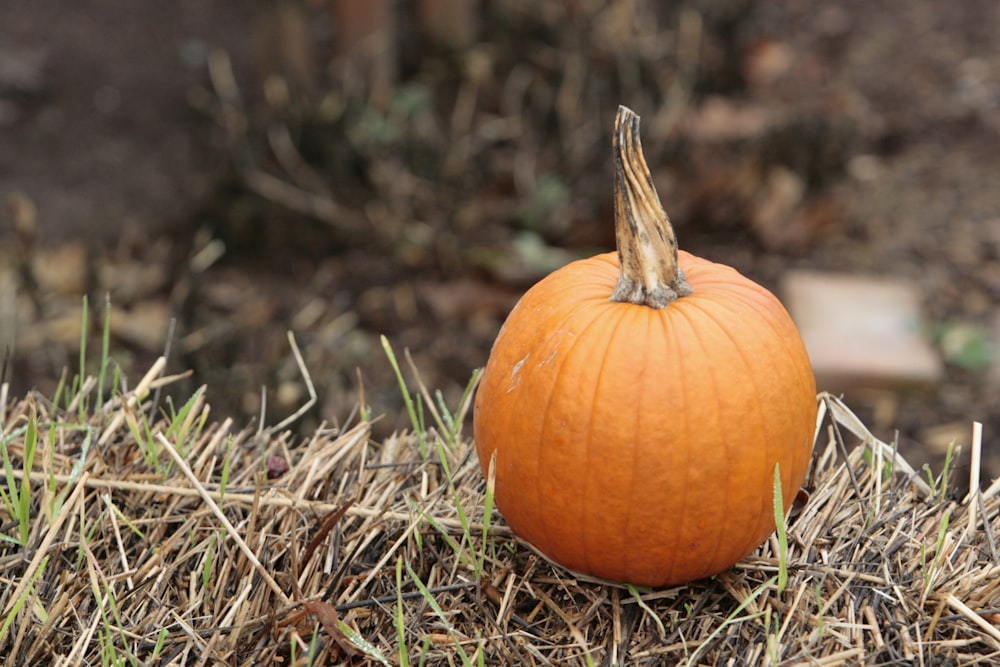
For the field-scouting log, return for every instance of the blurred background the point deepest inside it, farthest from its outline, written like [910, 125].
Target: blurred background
[347, 169]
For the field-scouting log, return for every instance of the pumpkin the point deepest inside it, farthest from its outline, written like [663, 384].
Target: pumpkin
[637, 403]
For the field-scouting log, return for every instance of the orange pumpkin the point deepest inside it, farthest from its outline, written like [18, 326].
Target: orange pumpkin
[637, 405]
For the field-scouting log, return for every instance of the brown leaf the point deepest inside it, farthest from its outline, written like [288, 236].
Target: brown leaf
[800, 502]
[490, 591]
[329, 521]
[326, 614]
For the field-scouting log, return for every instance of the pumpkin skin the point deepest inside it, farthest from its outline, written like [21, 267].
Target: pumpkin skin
[638, 444]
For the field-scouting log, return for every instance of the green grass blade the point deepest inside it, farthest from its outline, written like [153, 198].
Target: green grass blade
[226, 465]
[433, 603]
[447, 420]
[449, 540]
[407, 398]
[60, 388]
[77, 469]
[206, 570]
[491, 482]
[692, 659]
[946, 471]
[466, 397]
[779, 523]
[459, 508]
[161, 640]
[425, 649]
[314, 646]
[105, 352]
[363, 644]
[404, 657]
[19, 603]
[637, 596]
[78, 383]
[177, 430]
[939, 555]
[11, 494]
[24, 492]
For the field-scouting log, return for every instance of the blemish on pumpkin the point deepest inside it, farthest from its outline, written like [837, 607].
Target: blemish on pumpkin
[515, 374]
[552, 355]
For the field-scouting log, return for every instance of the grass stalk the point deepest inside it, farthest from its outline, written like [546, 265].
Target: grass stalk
[78, 381]
[415, 421]
[779, 523]
[730, 619]
[439, 612]
[22, 596]
[404, 655]
[105, 351]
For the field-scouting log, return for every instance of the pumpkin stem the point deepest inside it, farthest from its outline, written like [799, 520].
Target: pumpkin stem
[647, 246]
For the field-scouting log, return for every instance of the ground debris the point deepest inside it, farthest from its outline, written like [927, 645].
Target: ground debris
[112, 545]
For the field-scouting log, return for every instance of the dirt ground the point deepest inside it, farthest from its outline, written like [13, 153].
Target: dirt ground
[852, 137]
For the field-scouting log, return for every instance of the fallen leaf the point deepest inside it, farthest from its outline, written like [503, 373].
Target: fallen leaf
[329, 521]
[799, 504]
[326, 614]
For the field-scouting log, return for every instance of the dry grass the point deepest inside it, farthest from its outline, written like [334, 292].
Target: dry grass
[154, 536]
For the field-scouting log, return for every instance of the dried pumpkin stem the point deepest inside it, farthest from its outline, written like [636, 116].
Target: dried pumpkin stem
[647, 247]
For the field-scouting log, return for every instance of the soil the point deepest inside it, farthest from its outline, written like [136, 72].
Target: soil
[787, 134]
